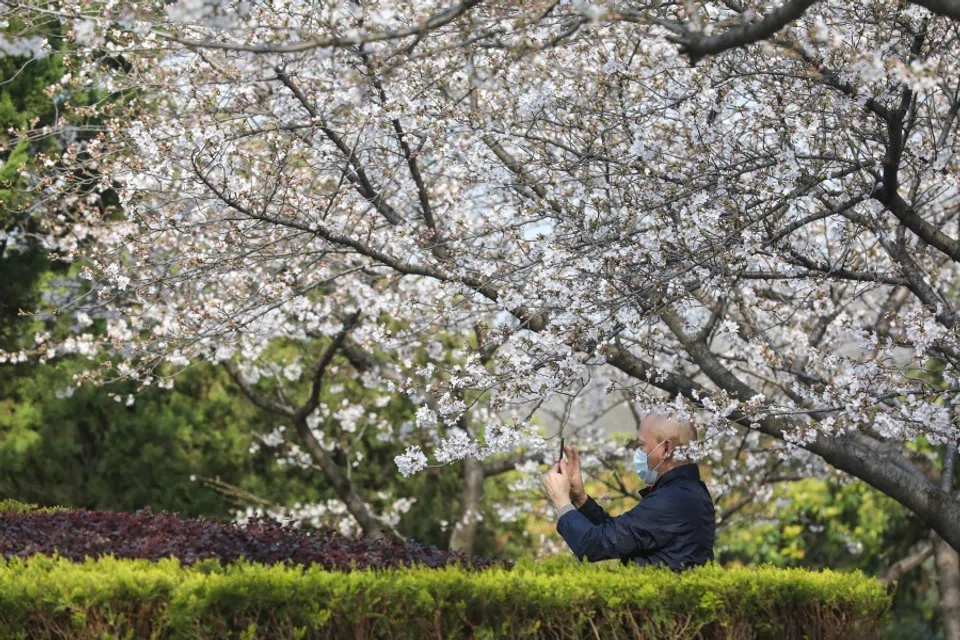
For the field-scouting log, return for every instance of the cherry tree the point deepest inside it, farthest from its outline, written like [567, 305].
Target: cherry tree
[748, 215]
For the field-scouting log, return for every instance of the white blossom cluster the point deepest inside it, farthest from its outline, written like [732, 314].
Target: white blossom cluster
[329, 513]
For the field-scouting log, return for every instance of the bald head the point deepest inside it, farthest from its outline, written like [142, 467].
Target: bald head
[660, 435]
[665, 427]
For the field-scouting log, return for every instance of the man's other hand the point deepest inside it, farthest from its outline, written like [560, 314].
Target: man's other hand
[557, 487]
[570, 467]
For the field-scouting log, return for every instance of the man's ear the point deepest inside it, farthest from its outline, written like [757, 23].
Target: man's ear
[668, 448]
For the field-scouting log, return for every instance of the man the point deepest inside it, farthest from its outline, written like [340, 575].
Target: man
[673, 525]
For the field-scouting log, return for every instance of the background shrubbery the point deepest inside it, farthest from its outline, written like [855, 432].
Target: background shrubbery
[80, 534]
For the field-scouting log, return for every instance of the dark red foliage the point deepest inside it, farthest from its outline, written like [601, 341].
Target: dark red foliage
[79, 534]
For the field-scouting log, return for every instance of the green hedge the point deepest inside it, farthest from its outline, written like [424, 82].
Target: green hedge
[108, 598]
[15, 506]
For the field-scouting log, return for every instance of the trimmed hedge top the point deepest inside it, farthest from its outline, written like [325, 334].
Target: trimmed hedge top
[79, 534]
[46, 597]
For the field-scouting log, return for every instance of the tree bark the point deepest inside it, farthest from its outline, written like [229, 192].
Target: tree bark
[948, 560]
[339, 482]
[464, 535]
[948, 581]
[907, 564]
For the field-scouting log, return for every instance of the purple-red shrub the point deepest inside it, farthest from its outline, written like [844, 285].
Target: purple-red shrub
[80, 534]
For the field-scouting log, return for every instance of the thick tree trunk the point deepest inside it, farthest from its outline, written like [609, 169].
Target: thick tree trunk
[343, 487]
[948, 560]
[464, 535]
[340, 483]
[948, 581]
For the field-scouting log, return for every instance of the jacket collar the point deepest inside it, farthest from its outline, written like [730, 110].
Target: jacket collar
[688, 471]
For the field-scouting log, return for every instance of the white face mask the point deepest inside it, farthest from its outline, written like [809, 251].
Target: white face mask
[641, 466]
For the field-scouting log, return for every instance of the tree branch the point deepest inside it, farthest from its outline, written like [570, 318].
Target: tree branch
[527, 179]
[909, 217]
[917, 284]
[322, 365]
[948, 8]
[433, 22]
[832, 211]
[535, 321]
[829, 76]
[423, 195]
[502, 465]
[358, 177]
[341, 484]
[696, 46]
[846, 452]
[908, 563]
[260, 400]
[237, 495]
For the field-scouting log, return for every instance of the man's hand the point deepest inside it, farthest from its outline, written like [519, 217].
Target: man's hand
[570, 467]
[557, 486]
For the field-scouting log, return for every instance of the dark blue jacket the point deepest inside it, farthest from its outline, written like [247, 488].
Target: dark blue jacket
[674, 525]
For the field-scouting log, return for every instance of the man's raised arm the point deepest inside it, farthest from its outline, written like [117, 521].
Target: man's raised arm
[578, 495]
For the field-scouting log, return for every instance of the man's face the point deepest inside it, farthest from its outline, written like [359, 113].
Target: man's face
[655, 449]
